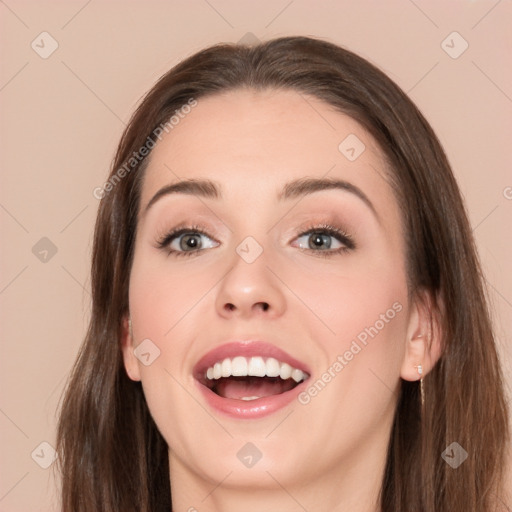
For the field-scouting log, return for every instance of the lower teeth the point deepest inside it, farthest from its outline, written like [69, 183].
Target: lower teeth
[250, 397]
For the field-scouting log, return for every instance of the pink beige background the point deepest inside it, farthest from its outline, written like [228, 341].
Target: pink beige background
[61, 117]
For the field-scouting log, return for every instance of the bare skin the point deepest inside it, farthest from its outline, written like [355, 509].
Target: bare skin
[326, 451]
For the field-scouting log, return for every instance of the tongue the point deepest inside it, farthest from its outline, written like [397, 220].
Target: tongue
[240, 387]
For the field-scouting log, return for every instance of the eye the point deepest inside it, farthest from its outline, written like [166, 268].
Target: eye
[186, 241]
[326, 239]
[191, 242]
[318, 241]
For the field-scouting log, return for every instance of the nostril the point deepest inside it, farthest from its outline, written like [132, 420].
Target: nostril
[264, 306]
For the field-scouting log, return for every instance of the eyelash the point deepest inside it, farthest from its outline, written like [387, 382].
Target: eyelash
[335, 232]
[164, 241]
[325, 229]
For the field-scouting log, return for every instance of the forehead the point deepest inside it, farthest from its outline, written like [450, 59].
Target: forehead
[252, 142]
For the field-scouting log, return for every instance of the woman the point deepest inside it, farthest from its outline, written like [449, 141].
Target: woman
[288, 310]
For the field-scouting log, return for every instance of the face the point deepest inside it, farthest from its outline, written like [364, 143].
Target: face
[268, 292]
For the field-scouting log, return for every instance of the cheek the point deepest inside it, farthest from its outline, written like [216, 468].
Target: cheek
[359, 317]
[161, 295]
[364, 355]
[167, 304]
[349, 298]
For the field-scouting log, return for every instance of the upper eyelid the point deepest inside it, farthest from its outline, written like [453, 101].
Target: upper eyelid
[344, 238]
[328, 227]
[178, 231]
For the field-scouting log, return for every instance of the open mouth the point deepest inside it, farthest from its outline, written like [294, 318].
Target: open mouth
[251, 378]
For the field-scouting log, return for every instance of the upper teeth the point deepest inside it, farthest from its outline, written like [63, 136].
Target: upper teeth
[254, 366]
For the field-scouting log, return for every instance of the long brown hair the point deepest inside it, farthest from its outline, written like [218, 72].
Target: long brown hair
[111, 455]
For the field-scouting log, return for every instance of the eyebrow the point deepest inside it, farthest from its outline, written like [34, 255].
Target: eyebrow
[292, 190]
[305, 186]
[202, 188]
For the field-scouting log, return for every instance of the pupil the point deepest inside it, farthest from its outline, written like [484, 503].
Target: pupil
[190, 242]
[319, 240]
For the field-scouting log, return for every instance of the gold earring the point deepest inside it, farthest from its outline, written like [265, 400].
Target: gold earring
[422, 391]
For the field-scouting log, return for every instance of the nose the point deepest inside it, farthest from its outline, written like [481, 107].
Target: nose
[250, 290]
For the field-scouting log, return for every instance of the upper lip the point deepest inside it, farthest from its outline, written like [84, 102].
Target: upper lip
[245, 349]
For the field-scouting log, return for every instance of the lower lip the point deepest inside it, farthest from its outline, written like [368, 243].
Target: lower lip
[250, 409]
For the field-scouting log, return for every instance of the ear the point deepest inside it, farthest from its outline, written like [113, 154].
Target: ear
[131, 363]
[424, 337]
